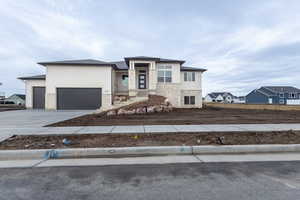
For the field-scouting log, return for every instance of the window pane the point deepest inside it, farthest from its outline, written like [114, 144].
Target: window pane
[168, 67]
[192, 100]
[168, 79]
[193, 76]
[160, 79]
[168, 73]
[186, 100]
[185, 76]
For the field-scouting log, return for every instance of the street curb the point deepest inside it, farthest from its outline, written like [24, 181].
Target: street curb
[143, 151]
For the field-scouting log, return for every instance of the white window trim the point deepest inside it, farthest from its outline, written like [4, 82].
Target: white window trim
[190, 76]
[292, 97]
[281, 101]
[189, 100]
[281, 95]
[164, 69]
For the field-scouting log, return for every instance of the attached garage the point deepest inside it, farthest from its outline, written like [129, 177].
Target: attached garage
[78, 98]
[38, 97]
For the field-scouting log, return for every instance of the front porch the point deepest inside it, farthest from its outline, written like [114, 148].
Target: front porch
[138, 81]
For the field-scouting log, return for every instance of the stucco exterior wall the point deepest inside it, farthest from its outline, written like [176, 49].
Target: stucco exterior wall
[171, 91]
[78, 77]
[29, 84]
[198, 98]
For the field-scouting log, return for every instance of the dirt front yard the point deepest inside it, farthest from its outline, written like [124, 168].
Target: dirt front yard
[157, 139]
[10, 107]
[188, 116]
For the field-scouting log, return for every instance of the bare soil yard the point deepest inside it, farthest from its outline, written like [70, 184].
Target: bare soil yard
[188, 116]
[10, 107]
[129, 140]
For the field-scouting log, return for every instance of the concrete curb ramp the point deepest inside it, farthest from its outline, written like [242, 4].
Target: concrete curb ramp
[143, 151]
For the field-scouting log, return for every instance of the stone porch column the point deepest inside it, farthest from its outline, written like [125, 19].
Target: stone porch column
[152, 78]
[131, 79]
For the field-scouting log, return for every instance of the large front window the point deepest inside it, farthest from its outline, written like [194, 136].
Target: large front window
[164, 74]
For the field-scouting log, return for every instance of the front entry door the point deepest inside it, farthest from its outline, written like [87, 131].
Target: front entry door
[142, 81]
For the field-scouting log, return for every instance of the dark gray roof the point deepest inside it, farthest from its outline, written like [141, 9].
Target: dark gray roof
[77, 62]
[278, 89]
[38, 77]
[157, 59]
[21, 96]
[221, 93]
[121, 65]
[184, 68]
[211, 95]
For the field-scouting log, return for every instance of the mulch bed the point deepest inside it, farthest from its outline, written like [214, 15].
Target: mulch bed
[206, 115]
[133, 140]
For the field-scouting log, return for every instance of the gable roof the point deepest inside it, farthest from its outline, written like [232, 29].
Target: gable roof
[37, 77]
[221, 93]
[211, 95]
[91, 62]
[21, 96]
[279, 89]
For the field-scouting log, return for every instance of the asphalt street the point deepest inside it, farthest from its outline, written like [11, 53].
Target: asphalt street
[232, 181]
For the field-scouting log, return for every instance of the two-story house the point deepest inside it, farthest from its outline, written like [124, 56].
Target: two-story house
[274, 95]
[93, 84]
[221, 97]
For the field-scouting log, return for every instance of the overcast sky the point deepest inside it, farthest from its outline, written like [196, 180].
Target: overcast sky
[243, 44]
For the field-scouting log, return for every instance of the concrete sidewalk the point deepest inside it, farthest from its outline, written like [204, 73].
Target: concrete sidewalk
[147, 129]
[216, 158]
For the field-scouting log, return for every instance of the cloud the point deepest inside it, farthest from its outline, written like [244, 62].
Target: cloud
[243, 44]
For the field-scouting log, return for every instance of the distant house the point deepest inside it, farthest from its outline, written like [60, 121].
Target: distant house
[221, 97]
[274, 95]
[18, 99]
[240, 99]
[2, 96]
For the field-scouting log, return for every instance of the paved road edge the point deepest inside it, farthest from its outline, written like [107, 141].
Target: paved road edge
[144, 151]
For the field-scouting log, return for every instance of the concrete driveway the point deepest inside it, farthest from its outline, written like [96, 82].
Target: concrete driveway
[35, 118]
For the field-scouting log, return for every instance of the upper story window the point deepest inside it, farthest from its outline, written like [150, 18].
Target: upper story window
[281, 95]
[164, 74]
[292, 95]
[189, 76]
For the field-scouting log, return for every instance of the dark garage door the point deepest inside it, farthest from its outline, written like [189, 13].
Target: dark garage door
[38, 100]
[78, 98]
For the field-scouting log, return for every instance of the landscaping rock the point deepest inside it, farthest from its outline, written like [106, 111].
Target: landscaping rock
[151, 109]
[111, 113]
[141, 110]
[130, 112]
[167, 102]
[121, 111]
[160, 108]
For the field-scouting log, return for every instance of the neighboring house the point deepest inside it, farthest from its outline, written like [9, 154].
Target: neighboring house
[221, 97]
[274, 95]
[18, 99]
[91, 84]
[2, 96]
[240, 99]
